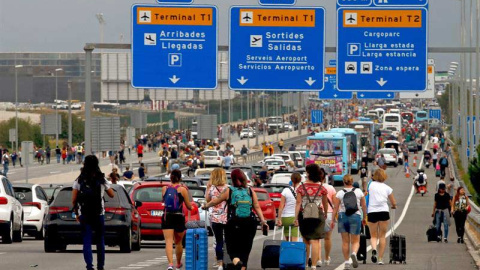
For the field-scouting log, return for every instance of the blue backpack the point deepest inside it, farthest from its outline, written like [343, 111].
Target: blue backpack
[172, 200]
[241, 202]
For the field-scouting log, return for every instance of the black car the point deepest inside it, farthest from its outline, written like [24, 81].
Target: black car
[188, 181]
[412, 146]
[122, 222]
[249, 170]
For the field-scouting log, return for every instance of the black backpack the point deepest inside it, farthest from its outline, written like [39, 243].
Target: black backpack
[421, 179]
[90, 198]
[350, 202]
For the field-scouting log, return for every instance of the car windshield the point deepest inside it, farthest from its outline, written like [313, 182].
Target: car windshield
[23, 194]
[275, 189]
[148, 194]
[262, 196]
[190, 183]
[197, 193]
[273, 162]
[284, 157]
[64, 198]
[246, 130]
[210, 153]
[49, 191]
[387, 151]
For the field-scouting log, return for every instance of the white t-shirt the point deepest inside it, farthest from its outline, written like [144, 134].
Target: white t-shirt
[358, 193]
[104, 187]
[378, 197]
[290, 202]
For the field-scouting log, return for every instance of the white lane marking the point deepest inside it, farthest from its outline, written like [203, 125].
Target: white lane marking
[402, 216]
[1, 253]
[130, 267]
[55, 172]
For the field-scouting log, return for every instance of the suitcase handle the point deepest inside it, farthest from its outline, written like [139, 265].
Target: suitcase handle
[392, 221]
[290, 233]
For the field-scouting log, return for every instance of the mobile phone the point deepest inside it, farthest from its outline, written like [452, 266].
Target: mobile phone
[265, 229]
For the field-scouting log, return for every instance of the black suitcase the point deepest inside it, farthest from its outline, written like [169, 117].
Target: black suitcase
[271, 252]
[362, 250]
[398, 245]
[432, 234]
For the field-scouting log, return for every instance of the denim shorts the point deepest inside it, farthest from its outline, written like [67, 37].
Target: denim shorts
[349, 224]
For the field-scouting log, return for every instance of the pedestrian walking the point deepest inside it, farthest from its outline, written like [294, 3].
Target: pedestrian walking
[443, 164]
[140, 152]
[379, 194]
[364, 175]
[241, 222]
[280, 145]
[309, 210]
[13, 156]
[88, 205]
[350, 205]
[64, 155]
[329, 222]
[127, 174]
[286, 210]
[5, 161]
[173, 221]
[460, 205]
[142, 171]
[227, 161]
[114, 177]
[435, 158]
[441, 212]
[218, 216]
[58, 153]
[19, 155]
[48, 153]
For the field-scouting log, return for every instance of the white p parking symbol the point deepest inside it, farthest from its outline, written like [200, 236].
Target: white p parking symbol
[353, 49]
[175, 59]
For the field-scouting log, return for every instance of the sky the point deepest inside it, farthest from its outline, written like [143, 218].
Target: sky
[66, 25]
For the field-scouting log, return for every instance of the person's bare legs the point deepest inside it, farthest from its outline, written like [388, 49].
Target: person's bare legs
[307, 245]
[382, 232]
[328, 245]
[346, 246]
[179, 247]
[315, 250]
[374, 239]
[169, 235]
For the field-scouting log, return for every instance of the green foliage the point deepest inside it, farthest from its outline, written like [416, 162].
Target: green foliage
[27, 130]
[78, 128]
[443, 101]
[474, 173]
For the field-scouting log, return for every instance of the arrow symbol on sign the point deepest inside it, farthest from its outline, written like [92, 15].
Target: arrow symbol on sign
[382, 82]
[335, 95]
[310, 81]
[242, 80]
[174, 79]
[389, 95]
[362, 95]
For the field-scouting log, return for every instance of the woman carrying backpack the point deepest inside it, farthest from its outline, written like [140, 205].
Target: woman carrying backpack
[173, 220]
[460, 205]
[218, 216]
[309, 214]
[241, 222]
[349, 206]
[286, 210]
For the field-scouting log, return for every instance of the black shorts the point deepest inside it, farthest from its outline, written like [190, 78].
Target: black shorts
[140, 154]
[378, 216]
[171, 221]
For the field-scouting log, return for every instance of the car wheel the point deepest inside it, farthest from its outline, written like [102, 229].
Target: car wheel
[48, 244]
[18, 235]
[138, 243]
[126, 245]
[395, 165]
[40, 235]
[7, 237]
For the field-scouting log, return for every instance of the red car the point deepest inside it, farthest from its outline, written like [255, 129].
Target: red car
[151, 210]
[275, 192]
[268, 208]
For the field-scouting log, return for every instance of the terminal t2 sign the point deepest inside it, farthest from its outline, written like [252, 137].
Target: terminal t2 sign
[382, 48]
[277, 48]
[174, 47]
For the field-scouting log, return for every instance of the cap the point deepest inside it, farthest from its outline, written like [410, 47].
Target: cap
[175, 167]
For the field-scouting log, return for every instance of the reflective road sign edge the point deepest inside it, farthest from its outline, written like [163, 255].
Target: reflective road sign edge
[409, 5]
[277, 7]
[216, 46]
[385, 8]
[175, 3]
[360, 5]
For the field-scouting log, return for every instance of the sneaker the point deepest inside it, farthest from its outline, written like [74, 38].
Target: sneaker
[374, 256]
[354, 260]
[220, 268]
[215, 265]
[380, 262]
[319, 263]
[327, 262]
[445, 240]
[170, 267]
[347, 266]
[313, 268]
[459, 240]
[179, 266]
[462, 241]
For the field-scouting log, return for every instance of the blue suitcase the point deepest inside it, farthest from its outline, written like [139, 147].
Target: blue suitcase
[196, 245]
[293, 255]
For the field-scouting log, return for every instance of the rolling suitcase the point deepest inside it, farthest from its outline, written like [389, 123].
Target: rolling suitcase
[292, 254]
[432, 234]
[196, 245]
[398, 245]
[362, 250]
[271, 251]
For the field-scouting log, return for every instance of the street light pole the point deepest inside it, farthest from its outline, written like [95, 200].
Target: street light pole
[477, 69]
[69, 113]
[56, 104]
[16, 108]
[471, 113]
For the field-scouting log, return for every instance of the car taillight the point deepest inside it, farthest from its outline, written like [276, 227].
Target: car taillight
[218, 158]
[394, 156]
[115, 210]
[57, 210]
[3, 200]
[36, 204]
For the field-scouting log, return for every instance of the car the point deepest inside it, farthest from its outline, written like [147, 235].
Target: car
[275, 165]
[35, 208]
[275, 192]
[247, 133]
[269, 158]
[122, 222]
[126, 184]
[213, 158]
[229, 178]
[390, 155]
[203, 171]
[288, 127]
[248, 170]
[412, 146]
[11, 213]
[198, 196]
[297, 158]
[151, 208]
[267, 206]
[51, 190]
[286, 157]
[187, 181]
[283, 178]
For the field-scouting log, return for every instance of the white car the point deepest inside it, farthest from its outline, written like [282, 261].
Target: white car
[35, 208]
[390, 155]
[296, 156]
[213, 158]
[283, 178]
[269, 158]
[11, 213]
[76, 106]
[247, 133]
[287, 126]
[275, 164]
[127, 185]
[229, 178]
[285, 157]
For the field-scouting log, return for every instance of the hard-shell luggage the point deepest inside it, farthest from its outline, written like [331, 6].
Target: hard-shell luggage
[432, 234]
[196, 248]
[271, 251]
[362, 250]
[293, 254]
[398, 245]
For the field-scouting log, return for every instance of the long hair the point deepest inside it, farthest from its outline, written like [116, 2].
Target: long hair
[238, 178]
[91, 170]
[218, 177]
[457, 195]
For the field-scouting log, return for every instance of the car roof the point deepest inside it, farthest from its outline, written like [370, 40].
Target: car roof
[23, 185]
[256, 189]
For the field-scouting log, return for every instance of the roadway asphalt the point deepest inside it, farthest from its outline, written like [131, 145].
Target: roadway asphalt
[412, 216]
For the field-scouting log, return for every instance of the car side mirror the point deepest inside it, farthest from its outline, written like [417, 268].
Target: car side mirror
[138, 204]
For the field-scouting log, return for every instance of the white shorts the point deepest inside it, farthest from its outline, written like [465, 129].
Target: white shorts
[328, 222]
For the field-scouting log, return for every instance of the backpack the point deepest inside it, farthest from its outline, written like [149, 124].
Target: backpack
[421, 179]
[241, 202]
[443, 162]
[310, 210]
[350, 202]
[195, 164]
[90, 198]
[172, 200]
[164, 160]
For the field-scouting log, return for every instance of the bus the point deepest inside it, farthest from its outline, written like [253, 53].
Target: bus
[421, 116]
[408, 116]
[393, 122]
[366, 131]
[329, 149]
[355, 147]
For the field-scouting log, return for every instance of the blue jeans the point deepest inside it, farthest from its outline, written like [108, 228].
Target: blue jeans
[5, 168]
[87, 235]
[440, 218]
[218, 231]
[58, 158]
[349, 224]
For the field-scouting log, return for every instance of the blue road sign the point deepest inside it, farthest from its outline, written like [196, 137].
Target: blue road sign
[174, 47]
[435, 113]
[317, 117]
[382, 49]
[401, 3]
[277, 2]
[375, 95]
[175, 1]
[277, 48]
[354, 3]
[330, 91]
[332, 62]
